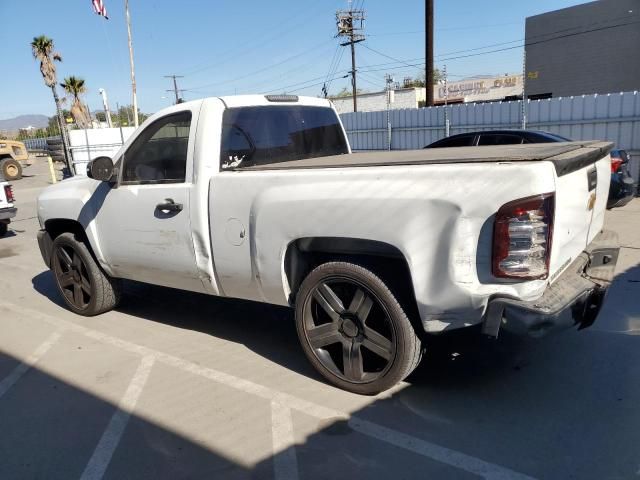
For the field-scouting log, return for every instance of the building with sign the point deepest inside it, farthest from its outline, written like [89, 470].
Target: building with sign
[585, 49]
[480, 89]
[473, 90]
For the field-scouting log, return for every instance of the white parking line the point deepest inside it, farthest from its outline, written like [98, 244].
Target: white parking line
[285, 462]
[407, 442]
[110, 439]
[435, 452]
[24, 367]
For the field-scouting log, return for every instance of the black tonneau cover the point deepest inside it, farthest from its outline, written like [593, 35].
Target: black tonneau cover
[567, 157]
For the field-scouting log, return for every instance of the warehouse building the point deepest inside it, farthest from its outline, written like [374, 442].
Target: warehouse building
[585, 49]
[471, 90]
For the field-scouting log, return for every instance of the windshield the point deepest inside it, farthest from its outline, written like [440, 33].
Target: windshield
[253, 136]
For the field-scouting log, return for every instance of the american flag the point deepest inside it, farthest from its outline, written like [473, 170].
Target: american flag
[99, 8]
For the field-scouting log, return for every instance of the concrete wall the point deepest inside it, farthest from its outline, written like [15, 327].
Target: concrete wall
[374, 102]
[584, 49]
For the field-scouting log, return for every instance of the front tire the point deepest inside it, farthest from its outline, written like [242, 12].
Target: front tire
[85, 287]
[4, 228]
[353, 329]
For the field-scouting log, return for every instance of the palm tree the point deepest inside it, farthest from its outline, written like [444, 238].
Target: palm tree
[74, 87]
[42, 49]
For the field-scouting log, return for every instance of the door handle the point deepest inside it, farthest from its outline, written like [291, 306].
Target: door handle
[169, 206]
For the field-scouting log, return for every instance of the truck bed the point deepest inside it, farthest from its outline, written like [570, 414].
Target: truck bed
[567, 157]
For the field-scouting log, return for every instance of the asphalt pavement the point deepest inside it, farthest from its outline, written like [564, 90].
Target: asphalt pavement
[180, 385]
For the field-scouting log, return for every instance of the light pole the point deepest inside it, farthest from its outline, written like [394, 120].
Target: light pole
[105, 105]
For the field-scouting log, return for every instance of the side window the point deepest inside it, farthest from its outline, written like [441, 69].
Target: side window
[159, 154]
[499, 139]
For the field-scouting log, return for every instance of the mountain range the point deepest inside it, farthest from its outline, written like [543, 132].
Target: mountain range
[23, 121]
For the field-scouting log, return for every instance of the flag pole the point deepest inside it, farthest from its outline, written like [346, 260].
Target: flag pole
[133, 73]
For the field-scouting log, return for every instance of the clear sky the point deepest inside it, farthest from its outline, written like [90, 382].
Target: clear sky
[224, 47]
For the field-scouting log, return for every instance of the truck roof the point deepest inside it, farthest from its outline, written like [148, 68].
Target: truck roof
[566, 156]
[234, 101]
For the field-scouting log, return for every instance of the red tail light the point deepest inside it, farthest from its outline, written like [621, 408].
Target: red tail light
[522, 236]
[616, 162]
[8, 192]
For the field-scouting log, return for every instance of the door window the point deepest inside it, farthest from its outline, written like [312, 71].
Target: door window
[159, 154]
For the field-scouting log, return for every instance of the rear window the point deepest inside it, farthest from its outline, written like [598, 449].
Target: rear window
[499, 139]
[254, 136]
[455, 141]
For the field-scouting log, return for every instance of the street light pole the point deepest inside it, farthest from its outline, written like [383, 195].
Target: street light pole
[133, 73]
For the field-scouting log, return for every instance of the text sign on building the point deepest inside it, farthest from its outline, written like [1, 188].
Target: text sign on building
[481, 89]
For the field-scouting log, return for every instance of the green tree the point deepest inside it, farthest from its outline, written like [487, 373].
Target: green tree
[419, 81]
[42, 49]
[74, 87]
[348, 92]
[124, 116]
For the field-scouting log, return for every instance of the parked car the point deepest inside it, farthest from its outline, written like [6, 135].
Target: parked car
[259, 198]
[13, 156]
[623, 188]
[7, 210]
[621, 191]
[497, 137]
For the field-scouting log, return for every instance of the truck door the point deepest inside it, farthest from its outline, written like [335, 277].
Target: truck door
[143, 225]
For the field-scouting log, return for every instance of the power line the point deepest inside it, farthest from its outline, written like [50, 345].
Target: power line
[250, 74]
[282, 29]
[416, 65]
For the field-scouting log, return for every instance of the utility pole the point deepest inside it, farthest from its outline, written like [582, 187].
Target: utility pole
[428, 74]
[133, 72]
[350, 24]
[524, 89]
[175, 89]
[446, 101]
[388, 80]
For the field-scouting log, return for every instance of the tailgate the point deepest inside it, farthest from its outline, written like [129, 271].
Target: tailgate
[3, 199]
[583, 178]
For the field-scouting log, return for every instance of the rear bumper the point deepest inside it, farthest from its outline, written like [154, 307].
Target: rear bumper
[8, 213]
[574, 299]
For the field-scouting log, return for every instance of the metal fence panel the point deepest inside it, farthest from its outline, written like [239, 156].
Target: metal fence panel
[614, 117]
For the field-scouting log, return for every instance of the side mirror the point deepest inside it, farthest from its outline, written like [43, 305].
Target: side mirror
[101, 168]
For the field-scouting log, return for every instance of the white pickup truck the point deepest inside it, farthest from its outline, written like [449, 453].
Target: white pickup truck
[7, 210]
[260, 198]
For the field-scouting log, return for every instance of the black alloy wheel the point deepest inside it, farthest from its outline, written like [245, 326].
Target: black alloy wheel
[84, 285]
[72, 276]
[353, 329]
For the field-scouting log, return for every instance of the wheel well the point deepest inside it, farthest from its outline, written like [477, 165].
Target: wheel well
[385, 260]
[58, 226]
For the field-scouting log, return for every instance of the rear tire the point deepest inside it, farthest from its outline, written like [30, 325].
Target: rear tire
[353, 330]
[85, 287]
[4, 228]
[11, 169]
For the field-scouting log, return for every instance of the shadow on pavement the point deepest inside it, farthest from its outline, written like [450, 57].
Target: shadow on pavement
[560, 407]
